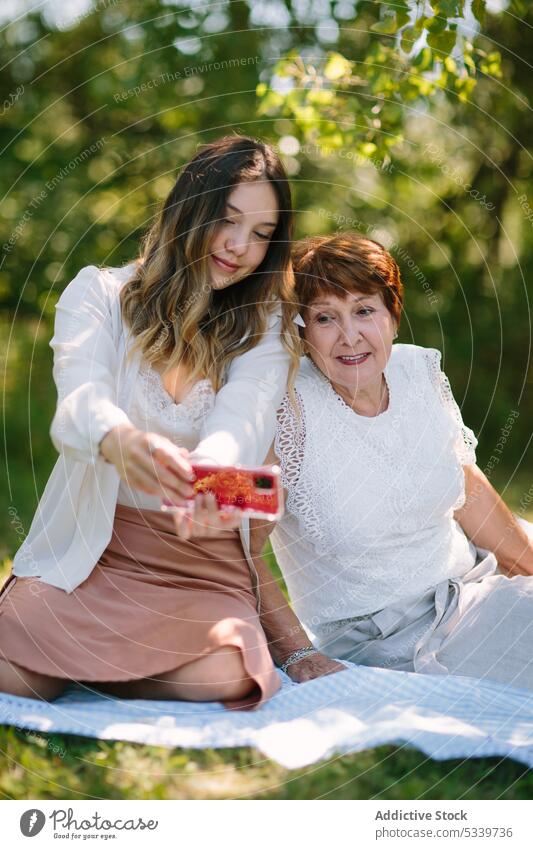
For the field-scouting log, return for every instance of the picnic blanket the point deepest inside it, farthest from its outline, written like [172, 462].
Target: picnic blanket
[358, 708]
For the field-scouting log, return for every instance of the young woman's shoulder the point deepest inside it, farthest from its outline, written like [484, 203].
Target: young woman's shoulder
[119, 275]
[92, 282]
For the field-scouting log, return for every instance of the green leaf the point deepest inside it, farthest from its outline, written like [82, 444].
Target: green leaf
[408, 39]
[402, 12]
[419, 85]
[398, 7]
[464, 88]
[443, 42]
[271, 102]
[448, 8]
[491, 65]
[469, 62]
[450, 65]
[420, 24]
[478, 9]
[424, 60]
[387, 26]
[436, 24]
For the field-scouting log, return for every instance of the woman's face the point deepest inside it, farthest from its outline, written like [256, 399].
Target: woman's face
[350, 339]
[243, 236]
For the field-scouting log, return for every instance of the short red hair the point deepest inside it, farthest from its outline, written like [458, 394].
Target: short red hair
[345, 263]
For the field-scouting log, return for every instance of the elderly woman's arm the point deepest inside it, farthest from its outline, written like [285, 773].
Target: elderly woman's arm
[283, 629]
[489, 523]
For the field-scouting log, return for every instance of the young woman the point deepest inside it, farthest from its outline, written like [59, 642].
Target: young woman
[397, 552]
[186, 349]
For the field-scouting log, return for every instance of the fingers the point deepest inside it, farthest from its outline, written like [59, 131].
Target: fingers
[153, 464]
[206, 519]
[140, 479]
[203, 513]
[213, 518]
[183, 522]
[171, 473]
[173, 458]
[231, 521]
[220, 518]
[195, 522]
[155, 479]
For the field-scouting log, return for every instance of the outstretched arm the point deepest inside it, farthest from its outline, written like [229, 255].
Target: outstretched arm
[86, 365]
[89, 425]
[489, 523]
[241, 425]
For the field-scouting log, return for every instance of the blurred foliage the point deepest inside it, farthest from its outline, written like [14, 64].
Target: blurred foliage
[394, 58]
[408, 120]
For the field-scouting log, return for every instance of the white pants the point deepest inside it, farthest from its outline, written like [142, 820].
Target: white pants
[479, 625]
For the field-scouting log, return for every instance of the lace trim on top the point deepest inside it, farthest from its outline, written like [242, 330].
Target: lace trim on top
[466, 443]
[340, 400]
[194, 407]
[289, 446]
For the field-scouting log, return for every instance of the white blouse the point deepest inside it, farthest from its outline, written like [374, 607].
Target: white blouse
[369, 515]
[96, 375]
[153, 409]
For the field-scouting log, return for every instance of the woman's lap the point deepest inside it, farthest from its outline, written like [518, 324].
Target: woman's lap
[152, 604]
[479, 625]
[493, 632]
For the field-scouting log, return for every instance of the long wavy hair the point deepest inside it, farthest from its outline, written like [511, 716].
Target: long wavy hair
[173, 313]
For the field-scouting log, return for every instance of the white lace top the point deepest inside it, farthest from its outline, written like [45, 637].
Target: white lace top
[153, 409]
[369, 514]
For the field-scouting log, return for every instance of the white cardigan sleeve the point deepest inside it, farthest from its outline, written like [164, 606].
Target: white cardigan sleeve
[85, 367]
[241, 427]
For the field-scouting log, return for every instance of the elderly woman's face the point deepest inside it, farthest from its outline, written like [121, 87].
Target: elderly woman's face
[350, 339]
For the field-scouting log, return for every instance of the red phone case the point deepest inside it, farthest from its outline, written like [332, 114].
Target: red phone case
[257, 491]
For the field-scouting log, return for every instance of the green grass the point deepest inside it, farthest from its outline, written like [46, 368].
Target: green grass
[67, 767]
[39, 766]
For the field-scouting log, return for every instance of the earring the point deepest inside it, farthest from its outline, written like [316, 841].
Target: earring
[395, 335]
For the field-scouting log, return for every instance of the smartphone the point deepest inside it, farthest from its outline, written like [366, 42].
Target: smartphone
[257, 490]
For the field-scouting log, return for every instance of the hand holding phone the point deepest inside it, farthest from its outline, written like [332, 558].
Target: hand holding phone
[255, 491]
[204, 518]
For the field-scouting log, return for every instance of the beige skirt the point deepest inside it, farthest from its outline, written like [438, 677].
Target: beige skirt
[152, 603]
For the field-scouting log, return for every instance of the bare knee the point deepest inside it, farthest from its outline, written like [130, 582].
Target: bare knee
[225, 668]
[18, 681]
[219, 676]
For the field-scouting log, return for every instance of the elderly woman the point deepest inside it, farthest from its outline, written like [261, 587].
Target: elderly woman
[397, 552]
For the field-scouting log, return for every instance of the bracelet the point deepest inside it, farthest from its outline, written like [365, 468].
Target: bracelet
[296, 656]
